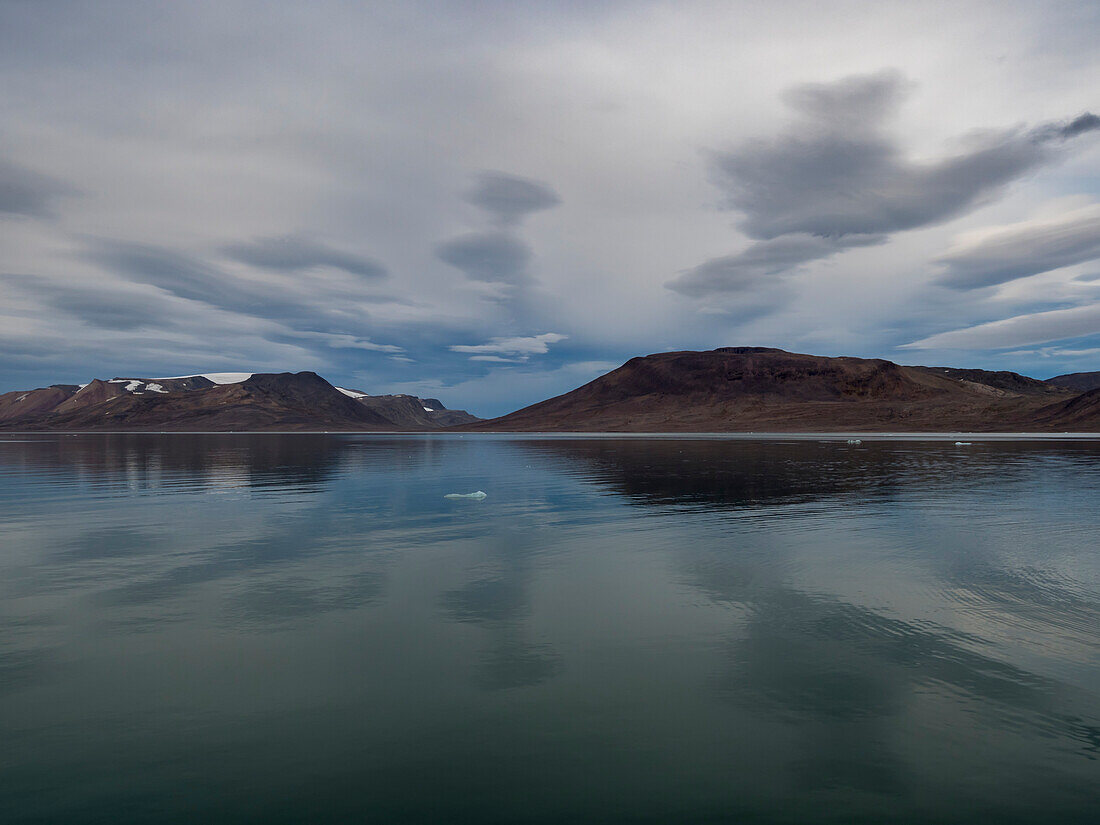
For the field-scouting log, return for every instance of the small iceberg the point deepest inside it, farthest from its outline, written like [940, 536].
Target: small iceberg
[854, 441]
[477, 496]
[963, 443]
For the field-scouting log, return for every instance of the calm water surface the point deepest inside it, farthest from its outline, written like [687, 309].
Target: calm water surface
[302, 629]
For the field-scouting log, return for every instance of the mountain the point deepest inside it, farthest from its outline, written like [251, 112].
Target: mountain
[218, 402]
[730, 389]
[1080, 381]
[762, 389]
[410, 412]
[1081, 412]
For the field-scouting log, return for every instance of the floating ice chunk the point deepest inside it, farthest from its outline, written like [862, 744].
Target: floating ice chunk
[963, 443]
[478, 496]
[854, 441]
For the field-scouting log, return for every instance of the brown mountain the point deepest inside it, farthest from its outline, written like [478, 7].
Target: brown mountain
[283, 401]
[1081, 412]
[411, 413]
[761, 389]
[730, 389]
[1080, 381]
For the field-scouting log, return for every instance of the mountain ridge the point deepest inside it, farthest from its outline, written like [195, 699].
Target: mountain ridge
[260, 401]
[764, 389]
[728, 389]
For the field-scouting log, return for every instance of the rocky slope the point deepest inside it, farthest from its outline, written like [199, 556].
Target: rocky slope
[770, 390]
[1079, 381]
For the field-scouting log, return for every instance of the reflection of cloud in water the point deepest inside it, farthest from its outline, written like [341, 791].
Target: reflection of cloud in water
[823, 663]
[516, 664]
[500, 604]
[271, 603]
[840, 669]
[21, 666]
[487, 600]
[106, 543]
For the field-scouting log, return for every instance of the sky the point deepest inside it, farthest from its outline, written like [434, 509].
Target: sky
[495, 202]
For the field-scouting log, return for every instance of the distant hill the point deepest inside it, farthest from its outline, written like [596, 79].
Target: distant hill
[1080, 381]
[762, 389]
[220, 402]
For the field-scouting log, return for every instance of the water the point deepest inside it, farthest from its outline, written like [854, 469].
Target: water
[272, 628]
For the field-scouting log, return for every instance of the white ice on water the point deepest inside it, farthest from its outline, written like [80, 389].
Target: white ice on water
[476, 496]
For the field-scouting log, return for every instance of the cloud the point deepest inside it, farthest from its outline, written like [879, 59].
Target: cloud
[522, 346]
[496, 359]
[510, 199]
[340, 341]
[313, 310]
[497, 256]
[27, 193]
[744, 270]
[1079, 125]
[837, 172]
[837, 180]
[175, 272]
[1034, 328]
[291, 253]
[100, 307]
[993, 255]
[190, 277]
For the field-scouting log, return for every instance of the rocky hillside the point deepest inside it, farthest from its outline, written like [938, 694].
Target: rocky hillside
[229, 402]
[770, 390]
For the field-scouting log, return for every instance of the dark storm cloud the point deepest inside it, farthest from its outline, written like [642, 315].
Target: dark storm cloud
[1024, 249]
[495, 257]
[509, 199]
[838, 173]
[761, 262]
[294, 254]
[28, 193]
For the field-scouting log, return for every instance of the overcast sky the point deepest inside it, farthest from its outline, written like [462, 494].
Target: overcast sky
[495, 202]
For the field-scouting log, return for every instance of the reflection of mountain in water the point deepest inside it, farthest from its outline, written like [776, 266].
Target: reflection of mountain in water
[748, 473]
[844, 675]
[250, 460]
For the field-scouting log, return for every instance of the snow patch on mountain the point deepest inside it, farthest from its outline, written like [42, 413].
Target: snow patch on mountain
[353, 393]
[216, 377]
